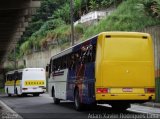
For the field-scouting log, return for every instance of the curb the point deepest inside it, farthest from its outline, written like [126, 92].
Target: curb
[8, 113]
[150, 104]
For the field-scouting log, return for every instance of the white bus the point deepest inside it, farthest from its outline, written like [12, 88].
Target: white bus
[26, 81]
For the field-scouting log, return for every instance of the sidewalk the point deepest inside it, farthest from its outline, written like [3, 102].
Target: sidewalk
[7, 113]
[151, 104]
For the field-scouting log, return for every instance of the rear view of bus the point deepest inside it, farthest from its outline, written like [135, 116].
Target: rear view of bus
[124, 69]
[33, 81]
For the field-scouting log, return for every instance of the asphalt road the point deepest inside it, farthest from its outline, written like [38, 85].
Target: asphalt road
[43, 107]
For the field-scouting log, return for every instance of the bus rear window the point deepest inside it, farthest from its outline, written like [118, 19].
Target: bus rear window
[127, 49]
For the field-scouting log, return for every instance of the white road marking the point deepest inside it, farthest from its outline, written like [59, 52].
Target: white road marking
[9, 112]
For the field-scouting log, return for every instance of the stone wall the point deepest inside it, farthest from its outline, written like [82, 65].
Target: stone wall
[155, 33]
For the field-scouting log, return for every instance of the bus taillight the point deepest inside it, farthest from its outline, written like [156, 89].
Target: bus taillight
[102, 90]
[43, 87]
[150, 90]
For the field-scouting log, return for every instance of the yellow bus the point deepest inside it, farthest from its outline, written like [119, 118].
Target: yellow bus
[115, 68]
[26, 81]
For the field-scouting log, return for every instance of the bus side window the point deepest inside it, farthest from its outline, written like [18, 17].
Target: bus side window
[52, 65]
[69, 62]
[63, 62]
[6, 77]
[16, 75]
[84, 51]
[94, 53]
[88, 54]
[77, 57]
[11, 77]
[91, 53]
[59, 63]
[20, 76]
[73, 65]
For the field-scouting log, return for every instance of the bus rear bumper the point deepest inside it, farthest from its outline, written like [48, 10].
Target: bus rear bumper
[32, 90]
[129, 97]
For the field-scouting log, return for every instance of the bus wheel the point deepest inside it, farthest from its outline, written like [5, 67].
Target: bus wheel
[23, 94]
[55, 100]
[77, 103]
[9, 95]
[16, 91]
[36, 94]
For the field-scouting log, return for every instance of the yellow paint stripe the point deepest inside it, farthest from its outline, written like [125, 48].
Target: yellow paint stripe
[34, 83]
[11, 83]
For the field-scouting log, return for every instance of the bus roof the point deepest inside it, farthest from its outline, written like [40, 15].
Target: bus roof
[74, 48]
[94, 38]
[21, 70]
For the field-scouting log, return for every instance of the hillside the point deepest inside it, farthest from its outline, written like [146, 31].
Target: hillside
[52, 23]
[131, 15]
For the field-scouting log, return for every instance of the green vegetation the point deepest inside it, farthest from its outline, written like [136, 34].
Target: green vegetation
[129, 16]
[51, 25]
[2, 90]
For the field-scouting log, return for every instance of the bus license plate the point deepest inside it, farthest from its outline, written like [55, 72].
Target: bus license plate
[127, 89]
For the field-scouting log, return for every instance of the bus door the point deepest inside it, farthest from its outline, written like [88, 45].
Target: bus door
[15, 80]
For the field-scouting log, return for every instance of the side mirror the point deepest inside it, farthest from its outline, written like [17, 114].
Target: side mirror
[47, 67]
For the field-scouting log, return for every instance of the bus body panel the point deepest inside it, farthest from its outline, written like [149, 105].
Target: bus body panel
[84, 82]
[99, 59]
[127, 67]
[81, 76]
[60, 82]
[34, 80]
[127, 74]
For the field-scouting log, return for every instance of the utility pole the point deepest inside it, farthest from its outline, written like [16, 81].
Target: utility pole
[72, 25]
[15, 63]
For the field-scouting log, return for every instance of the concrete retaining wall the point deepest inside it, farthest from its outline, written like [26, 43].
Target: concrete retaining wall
[41, 59]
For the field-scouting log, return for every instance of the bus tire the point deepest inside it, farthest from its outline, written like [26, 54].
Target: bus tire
[55, 100]
[16, 92]
[77, 103]
[36, 94]
[9, 95]
[24, 95]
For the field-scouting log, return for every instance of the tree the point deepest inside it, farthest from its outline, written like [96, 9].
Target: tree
[93, 5]
[150, 7]
[63, 12]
